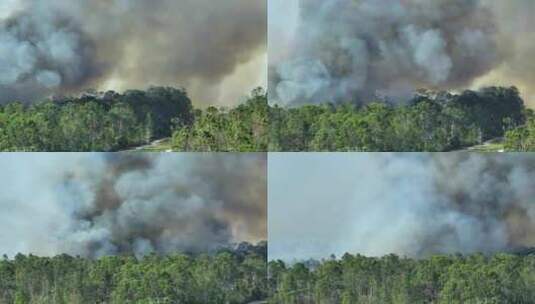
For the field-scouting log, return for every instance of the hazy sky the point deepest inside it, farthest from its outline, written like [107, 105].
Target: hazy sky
[282, 22]
[308, 194]
[409, 204]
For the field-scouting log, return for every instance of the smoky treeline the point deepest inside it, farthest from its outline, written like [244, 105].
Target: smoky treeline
[430, 121]
[500, 278]
[112, 121]
[50, 50]
[237, 275]
[96, 205]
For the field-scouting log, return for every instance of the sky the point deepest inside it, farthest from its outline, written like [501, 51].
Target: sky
[404, 203]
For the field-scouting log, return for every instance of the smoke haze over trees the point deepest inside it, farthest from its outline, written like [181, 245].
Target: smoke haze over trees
[362, 50]
[408, 204]
[105, 204]
[215, 49]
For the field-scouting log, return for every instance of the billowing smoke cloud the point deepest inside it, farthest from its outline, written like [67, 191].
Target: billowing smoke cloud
[409, 204]
[60, 47]
[42, 53]
[359, 50]
[517, 41]
[103, 204]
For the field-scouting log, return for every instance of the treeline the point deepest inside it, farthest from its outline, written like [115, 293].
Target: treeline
[502, 278]
[243, 128]
[430, 122]
[522, 139]
[94, 122]
[230, 276]
[111, 121]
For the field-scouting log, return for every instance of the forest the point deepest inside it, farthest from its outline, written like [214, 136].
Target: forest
[244, 128]
[230, 276]
[522, 138]
[110, 121]
[431, 121]
[452, 279]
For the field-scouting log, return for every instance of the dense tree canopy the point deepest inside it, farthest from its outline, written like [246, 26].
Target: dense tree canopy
[229, 276]
[502, 278]
[429, 122]
[111, 121]
[243, 128]
[522, 139]
[94, 122]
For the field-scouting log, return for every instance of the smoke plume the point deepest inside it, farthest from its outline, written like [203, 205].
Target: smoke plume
[103, 204]
[63, 47]
[360, 50]
[409, 204]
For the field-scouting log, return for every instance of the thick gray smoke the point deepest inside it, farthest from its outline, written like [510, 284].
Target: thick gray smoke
[103, 204]
[409, 204]
[359, 50]
[517, 41]
[41, 53]
[61, 46]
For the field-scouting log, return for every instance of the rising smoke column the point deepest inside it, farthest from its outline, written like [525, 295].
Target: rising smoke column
[61, 46]
[103, 204]
[41, 53]
[408, 204]
[358, 50]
